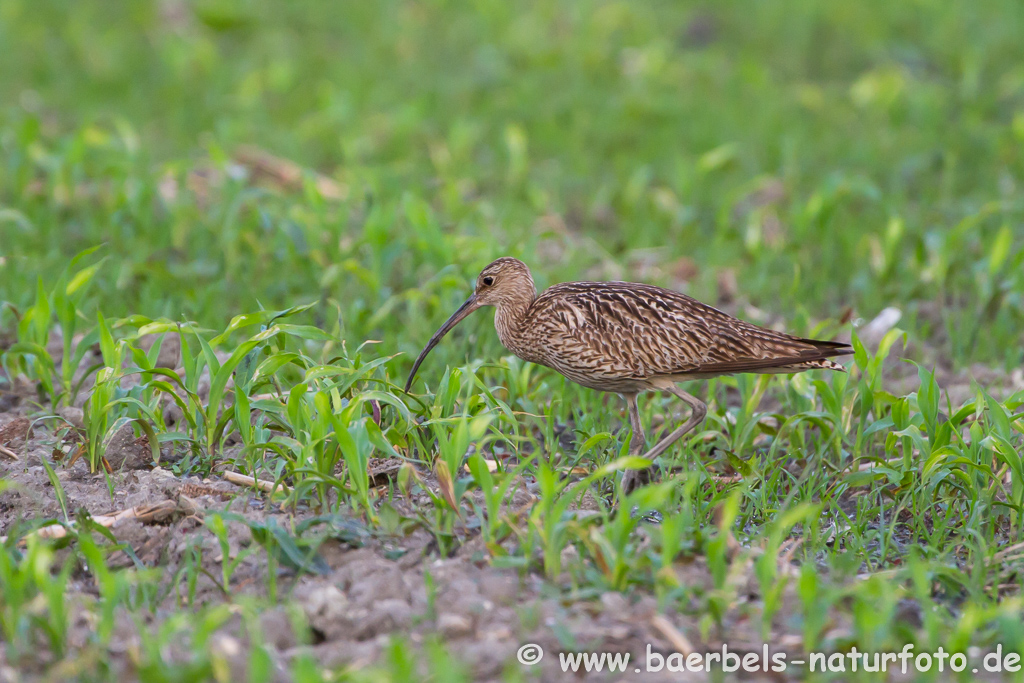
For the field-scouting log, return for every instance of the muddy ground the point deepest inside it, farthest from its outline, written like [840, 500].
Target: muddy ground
[372, 586]
[483, 614]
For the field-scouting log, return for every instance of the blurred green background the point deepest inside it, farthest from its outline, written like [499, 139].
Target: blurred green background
[809, 159]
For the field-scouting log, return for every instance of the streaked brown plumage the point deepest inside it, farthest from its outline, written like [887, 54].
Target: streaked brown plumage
[629, 338]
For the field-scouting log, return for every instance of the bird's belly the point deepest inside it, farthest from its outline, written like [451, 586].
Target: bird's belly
[593, 371]
[616, 385]
[601, 378]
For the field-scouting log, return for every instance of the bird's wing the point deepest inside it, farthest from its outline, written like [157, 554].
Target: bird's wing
[643, 331]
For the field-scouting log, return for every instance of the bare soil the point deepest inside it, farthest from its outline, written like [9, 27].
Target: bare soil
[391, 585]
[372, 586]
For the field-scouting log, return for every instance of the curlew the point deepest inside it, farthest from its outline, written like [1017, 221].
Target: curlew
[629, 338]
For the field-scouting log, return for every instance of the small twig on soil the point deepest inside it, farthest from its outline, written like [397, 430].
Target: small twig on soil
[240, 479]
[1004, 554]
[865, 466]
[883, 574]
[4, 450]
[786, 553]
[677, 640]
[156, 512]
[266, 397]
[492, 466]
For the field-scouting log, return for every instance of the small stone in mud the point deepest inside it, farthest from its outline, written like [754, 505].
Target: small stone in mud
[614, 603]
[170, 349]
[383, 471]
[229, 649]
[15, 432]
[277, 629]
[383, 617]
[377, 581]
[75, 416]
[127, 451]
[327, 609]
[499, 588]
[454, 625]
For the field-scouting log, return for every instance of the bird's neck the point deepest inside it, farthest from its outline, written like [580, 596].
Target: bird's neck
[510, 318]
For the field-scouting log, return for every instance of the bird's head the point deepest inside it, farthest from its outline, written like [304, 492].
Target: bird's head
[506, 281]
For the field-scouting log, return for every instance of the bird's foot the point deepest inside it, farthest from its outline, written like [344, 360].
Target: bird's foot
[649, 516]
[634, 479]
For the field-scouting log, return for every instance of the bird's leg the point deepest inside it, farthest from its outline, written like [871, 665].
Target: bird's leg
[698, 410]
[638, 442]
[633, 479]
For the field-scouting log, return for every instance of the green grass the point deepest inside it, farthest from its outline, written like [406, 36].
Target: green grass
[591, 129]
[836, 158]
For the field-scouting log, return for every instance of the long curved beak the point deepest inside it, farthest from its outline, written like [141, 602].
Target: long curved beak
[464, 310]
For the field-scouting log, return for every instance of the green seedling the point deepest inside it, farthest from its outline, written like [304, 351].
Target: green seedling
[33, 597]
[216, 522]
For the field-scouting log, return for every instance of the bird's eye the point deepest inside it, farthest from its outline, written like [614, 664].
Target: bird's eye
[488, 281]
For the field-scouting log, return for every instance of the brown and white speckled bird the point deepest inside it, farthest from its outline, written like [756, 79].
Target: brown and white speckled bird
[629, 338]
